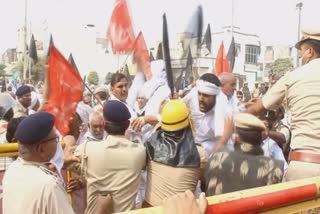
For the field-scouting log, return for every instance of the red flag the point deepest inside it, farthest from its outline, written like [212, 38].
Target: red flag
[141, 55]
[120, 31]
[222, 62]
[65, 90]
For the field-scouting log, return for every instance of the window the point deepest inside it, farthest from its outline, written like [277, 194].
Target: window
[252, 53]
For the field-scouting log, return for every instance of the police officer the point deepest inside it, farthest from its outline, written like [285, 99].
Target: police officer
[171, 150]
[29, 185]
[299, 91]
[245, 167]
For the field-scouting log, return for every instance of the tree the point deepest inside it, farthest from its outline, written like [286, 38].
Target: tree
[93, 78]
[2, 67]
[279, 66]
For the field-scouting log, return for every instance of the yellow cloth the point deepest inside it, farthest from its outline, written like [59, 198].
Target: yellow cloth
[164, 181]
[112, 166]
[31, 188]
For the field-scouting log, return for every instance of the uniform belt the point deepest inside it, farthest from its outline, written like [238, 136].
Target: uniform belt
[304, 157]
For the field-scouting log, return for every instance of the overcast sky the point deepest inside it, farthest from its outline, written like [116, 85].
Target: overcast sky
[275, 21]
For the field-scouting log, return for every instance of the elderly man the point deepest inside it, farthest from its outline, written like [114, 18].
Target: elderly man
[175, 163]
[140, 104]
[96, 128]
[299, 92]
[24, 101]
[29, 181]
[202, 102]
[244, 168]
[113, 165]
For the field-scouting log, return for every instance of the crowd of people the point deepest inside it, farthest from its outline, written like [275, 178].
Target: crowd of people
[136, 147]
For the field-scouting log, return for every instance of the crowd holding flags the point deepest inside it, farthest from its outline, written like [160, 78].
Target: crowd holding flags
[120, 35]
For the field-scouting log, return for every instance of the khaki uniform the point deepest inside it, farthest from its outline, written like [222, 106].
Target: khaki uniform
[112, 166]
[299, 90]
[230, 171]
[31, 188]
[20, 111]
[164, 181]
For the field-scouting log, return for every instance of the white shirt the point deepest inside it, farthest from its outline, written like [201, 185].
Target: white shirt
[204, 125]
[225, 107]
[271, 149]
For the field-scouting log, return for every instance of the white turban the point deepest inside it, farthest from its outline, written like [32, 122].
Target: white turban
[208, 88]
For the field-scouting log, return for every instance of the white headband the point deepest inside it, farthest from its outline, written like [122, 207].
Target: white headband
[207, 88]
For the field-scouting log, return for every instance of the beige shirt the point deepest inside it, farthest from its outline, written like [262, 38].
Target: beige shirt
[164, 181]
[112, 166]
[303, 98]
[31, 188]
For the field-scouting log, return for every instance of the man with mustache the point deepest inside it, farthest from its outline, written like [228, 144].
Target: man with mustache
[202, 102]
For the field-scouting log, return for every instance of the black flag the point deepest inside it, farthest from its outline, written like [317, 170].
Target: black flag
[159, 52]
[206, 42]
[232, 53]
[125, 71]
[185, 77]
[166, 54]
[33, 50]
[193, 34]
[151, 57]
[72, 62]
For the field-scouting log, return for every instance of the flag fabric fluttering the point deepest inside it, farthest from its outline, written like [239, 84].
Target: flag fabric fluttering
[166, 54]
[141, 55]
[65, 90]
[222, 62]
[159, 52]
[206, 42]
[193, 33]
[33, 50]
[120, 31]
[151, 57]
[232, 53]
[185, 78]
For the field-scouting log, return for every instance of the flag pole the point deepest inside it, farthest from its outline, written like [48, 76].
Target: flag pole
[30, 62]
[25, 67]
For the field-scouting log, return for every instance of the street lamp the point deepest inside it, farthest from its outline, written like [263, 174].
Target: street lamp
[299, 7]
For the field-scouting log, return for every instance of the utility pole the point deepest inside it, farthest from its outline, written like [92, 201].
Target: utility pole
[25, 65]
[232, 17]
[299, 7]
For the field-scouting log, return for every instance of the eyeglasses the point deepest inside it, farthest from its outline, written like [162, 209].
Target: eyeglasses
[56, 138]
